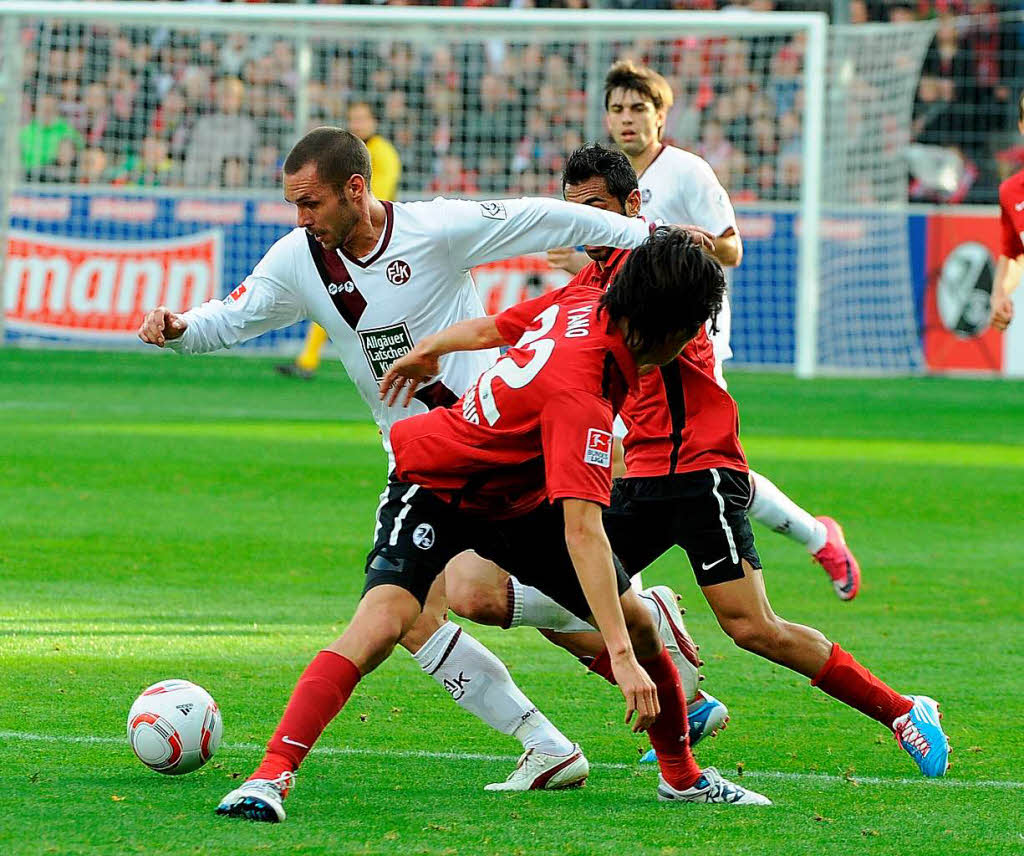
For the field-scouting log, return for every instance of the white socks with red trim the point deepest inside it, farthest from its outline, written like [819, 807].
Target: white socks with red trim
[772, 508]
[532, 608]
[479, 683]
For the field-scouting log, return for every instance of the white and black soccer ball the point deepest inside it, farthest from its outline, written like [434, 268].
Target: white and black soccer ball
[174, 727]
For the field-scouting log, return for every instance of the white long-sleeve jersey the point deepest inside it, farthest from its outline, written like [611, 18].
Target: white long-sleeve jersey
[415, 282]
[681, 187]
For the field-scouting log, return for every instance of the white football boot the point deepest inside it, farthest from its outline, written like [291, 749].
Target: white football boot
[676, 638]
[259, 799]
[711, 788]
[538, 771]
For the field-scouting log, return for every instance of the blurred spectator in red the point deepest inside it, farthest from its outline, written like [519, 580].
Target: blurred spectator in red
[453, 179]
[223, 134]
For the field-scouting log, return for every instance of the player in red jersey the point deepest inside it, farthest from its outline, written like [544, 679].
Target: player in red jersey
[520, 467]
[686, 483]
[1010, 266]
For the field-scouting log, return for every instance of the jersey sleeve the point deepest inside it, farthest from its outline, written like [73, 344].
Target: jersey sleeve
[516, 320]
[266, 300]
[1010, 242]
[708, 201]
[576, 437]
[482, 232]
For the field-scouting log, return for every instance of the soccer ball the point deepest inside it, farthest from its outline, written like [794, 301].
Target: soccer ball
[174, 727]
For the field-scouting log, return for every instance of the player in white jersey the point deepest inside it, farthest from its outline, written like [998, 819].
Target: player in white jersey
[677, 186]
[379, 277]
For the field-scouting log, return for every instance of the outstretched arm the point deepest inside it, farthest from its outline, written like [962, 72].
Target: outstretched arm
[268, 299]
[592, 558]
[422, 362]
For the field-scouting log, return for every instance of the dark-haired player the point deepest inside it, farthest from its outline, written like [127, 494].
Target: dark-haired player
[520, 468]
[379, 276]
[677, 186]
[687, 485]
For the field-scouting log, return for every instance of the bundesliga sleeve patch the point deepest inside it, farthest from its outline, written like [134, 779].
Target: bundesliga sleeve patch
[599, 448]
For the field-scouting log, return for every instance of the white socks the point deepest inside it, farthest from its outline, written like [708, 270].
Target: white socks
[777, 511]
[532, 608]
[479, 682]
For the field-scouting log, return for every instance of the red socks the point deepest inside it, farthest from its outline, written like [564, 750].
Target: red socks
[321, 692]
[669, 733]
[843, 678]
[602, 665]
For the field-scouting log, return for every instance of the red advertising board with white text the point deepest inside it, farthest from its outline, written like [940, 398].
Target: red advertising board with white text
[58, 286]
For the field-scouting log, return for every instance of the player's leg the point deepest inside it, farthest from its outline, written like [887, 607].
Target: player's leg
[720, 545]
[641, 524]
[477, 680]
[382, 618]
[308, 361]
[542, 533]
[483, 592]
[681, 778]
[822, 536]
[398, 576]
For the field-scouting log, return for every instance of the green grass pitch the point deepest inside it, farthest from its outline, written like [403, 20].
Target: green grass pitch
[203, 518]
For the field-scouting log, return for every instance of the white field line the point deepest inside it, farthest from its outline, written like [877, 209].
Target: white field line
[475, 756]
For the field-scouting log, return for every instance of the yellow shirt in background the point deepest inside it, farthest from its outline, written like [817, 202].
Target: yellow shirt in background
[385, 167]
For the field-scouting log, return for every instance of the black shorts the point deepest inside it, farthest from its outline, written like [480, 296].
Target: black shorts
[704, 512]
[418, 534]
[532, 548]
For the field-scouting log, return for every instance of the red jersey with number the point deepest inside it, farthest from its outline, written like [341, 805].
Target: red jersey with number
[535, 426]
[679, 420]
[1011, 210]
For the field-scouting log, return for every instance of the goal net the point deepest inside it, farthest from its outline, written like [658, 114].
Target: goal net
[866, 311]
[148, 139]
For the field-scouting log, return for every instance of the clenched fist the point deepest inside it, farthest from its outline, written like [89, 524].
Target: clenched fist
[161, 324]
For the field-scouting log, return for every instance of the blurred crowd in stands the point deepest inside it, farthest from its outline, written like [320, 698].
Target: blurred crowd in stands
[172, 107]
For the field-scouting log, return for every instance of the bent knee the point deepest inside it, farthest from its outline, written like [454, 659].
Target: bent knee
[482, 604]
[760, 635]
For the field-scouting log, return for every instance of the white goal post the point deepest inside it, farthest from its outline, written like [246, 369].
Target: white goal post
[751, 96]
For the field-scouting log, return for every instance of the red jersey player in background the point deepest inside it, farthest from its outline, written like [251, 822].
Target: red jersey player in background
[677, 186]
[520, 468]
[687, 484]
[1010, 266]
